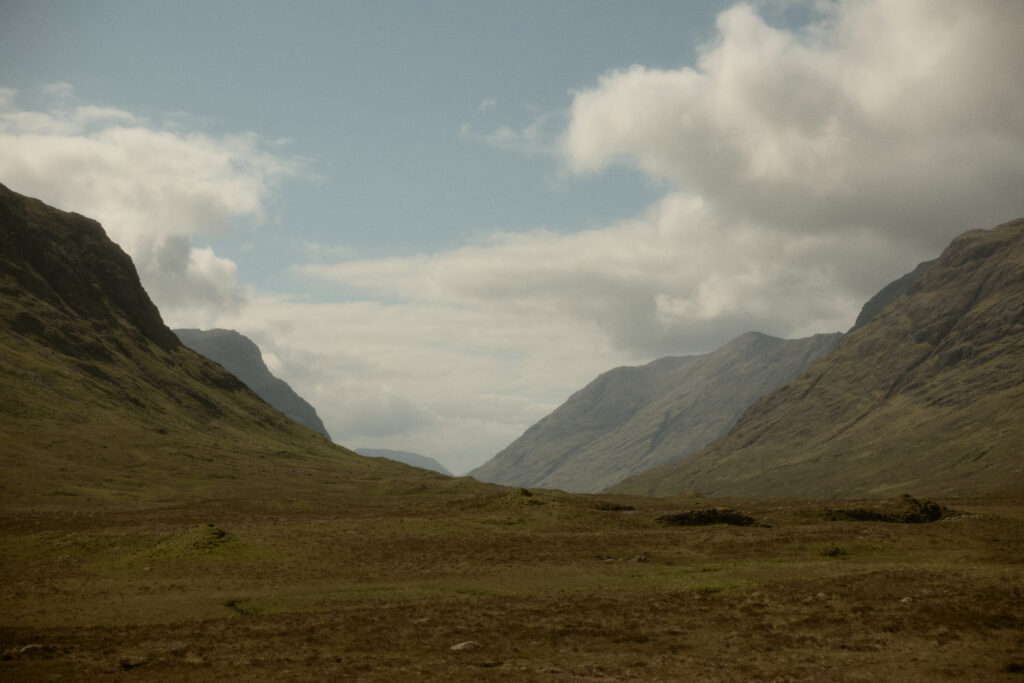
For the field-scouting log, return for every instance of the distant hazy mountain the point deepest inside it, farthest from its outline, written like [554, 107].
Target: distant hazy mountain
[926, 398]
[242, 358]
[414, 459]
[633, 418]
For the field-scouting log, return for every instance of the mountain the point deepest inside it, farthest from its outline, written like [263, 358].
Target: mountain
[240, 356]
[888, 294]
[101, 404]
[633, 418]
[586, 417]
[414, 459]
[928, 397]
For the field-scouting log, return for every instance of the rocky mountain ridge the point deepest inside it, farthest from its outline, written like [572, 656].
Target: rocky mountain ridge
[633, 418]
[928, 397]
[889, 293]
[240, 356]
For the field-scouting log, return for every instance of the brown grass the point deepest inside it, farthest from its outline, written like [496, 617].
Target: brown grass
[550, 586]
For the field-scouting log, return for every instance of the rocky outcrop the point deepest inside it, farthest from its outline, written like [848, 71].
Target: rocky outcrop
[67, 261]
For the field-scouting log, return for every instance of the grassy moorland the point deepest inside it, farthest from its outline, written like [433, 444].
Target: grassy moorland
[548, 586]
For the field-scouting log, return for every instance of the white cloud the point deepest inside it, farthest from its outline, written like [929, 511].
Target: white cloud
[674, 280]
[59, 89]
[151, 188]
[317, 251]
[900, 117]
[538, 136]
[194, 284]
[805, 170]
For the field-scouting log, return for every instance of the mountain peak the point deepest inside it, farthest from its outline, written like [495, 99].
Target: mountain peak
[632, 418]
[66, 260]
[927, 396]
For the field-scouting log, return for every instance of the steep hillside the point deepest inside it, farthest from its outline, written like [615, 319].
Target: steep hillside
[591, 413]
[888, 294]
[632, 419]
[414, 459]
[240, 356]
[100, 403]
[927, 398]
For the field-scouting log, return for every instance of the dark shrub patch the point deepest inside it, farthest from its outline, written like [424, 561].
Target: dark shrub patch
[612, 507]
[707, 517]
[906, 510]
[859, 515]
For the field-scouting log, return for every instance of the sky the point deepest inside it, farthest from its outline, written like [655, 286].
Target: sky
[440, 219]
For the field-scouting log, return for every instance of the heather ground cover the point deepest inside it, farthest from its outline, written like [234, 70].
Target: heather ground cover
[547, 586]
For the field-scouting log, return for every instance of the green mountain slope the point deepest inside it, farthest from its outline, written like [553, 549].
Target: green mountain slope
[99, 401]
[240, 356]
[632, 419]
[928, 397]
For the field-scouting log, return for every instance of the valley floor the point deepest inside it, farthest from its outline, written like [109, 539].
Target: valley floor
[545, 586]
